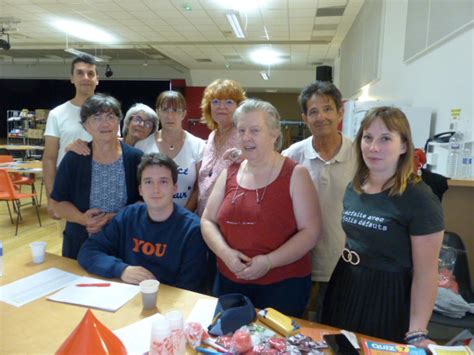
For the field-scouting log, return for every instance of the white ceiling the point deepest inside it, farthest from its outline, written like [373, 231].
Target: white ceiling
[305, 32]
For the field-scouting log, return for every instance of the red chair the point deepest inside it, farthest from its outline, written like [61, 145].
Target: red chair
[9, 193]
[17, 178]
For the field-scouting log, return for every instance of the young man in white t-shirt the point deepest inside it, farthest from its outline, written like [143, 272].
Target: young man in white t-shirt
[64, 122]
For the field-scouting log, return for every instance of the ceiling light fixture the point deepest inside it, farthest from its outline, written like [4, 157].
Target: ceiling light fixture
[265, 56]
[264, 75]
[5, 44]
[267, 36]
[84, 31]
[242, 5]
[108, 71]
[233, 18]
[79, 53]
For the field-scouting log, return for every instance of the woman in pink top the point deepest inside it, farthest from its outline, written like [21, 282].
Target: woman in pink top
[219, 102]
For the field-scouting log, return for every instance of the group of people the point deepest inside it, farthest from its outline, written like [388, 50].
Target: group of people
[345, 226]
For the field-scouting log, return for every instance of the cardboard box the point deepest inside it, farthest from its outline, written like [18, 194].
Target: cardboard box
[41, 114]
[34, 133]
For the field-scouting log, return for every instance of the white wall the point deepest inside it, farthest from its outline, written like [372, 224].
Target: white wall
[441, 79]
[129, 71]
[283, 80]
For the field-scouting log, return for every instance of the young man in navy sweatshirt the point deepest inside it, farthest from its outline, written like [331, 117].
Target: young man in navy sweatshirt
[153, 240]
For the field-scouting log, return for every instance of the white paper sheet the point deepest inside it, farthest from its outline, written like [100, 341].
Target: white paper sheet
[136, 337]
[106, 298]
[35, 286]
[203, 312]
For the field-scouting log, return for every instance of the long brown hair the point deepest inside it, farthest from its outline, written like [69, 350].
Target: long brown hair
[395, 121]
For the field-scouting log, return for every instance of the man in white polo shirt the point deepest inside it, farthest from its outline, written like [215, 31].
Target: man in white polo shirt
[64, 123]
[330, 160]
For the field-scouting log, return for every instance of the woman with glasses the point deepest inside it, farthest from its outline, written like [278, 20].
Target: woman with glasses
[140, 122]
[181, 146]
[263, 219]
[219, 102]
[90, 189]
[386, 281]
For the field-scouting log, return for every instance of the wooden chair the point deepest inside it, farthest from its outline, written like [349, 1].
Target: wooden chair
[9, 193]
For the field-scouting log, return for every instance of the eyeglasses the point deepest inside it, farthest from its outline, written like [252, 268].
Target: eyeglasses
[104, 117]
[137, 120]
[226, 102]
[239, 214]
[178, 111]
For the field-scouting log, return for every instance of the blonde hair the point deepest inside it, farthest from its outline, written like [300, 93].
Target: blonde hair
[395, 121]
[219, 89]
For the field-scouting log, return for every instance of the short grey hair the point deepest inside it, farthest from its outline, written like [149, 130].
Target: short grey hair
[132, 111]
[272, 117]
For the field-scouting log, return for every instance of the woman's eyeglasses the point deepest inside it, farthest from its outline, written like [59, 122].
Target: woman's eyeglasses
[239, 214]
[227, 103]
[104, 117]
[178, 111]
[137, 120]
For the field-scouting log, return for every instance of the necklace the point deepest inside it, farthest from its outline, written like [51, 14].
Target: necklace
[221, 138]
[258, 198]
[220, 141]
[171, 146]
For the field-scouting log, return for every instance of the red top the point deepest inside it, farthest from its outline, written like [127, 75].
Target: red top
[259, 228]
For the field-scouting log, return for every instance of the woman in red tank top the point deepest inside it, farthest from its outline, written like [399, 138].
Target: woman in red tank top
[263, 218]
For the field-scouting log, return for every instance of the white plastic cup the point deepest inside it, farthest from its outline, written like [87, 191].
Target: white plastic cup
[38, 249]
[149, 291]
[175, 318]
[161, 342]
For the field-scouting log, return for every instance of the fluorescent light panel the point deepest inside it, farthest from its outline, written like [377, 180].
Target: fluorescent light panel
[234, 22]
[243, 5]
[84, 31]
[79, 53]
[264, 75]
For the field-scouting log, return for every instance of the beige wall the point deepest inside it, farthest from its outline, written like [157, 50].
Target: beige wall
[285, 103]
[287, 106]
[458, 207]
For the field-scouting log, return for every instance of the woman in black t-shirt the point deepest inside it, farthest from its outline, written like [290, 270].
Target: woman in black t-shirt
[385, 283]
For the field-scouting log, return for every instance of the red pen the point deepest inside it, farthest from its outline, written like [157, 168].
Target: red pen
[104, 284]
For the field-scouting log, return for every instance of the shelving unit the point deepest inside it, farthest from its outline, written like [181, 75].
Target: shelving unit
[293, 131]
[26, 128]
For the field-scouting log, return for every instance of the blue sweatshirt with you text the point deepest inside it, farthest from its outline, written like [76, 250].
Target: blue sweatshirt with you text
[173, 250]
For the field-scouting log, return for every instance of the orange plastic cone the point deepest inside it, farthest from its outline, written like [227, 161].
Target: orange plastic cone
[92, 337]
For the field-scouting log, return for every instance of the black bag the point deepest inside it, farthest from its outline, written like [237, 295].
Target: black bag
[232, 312]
